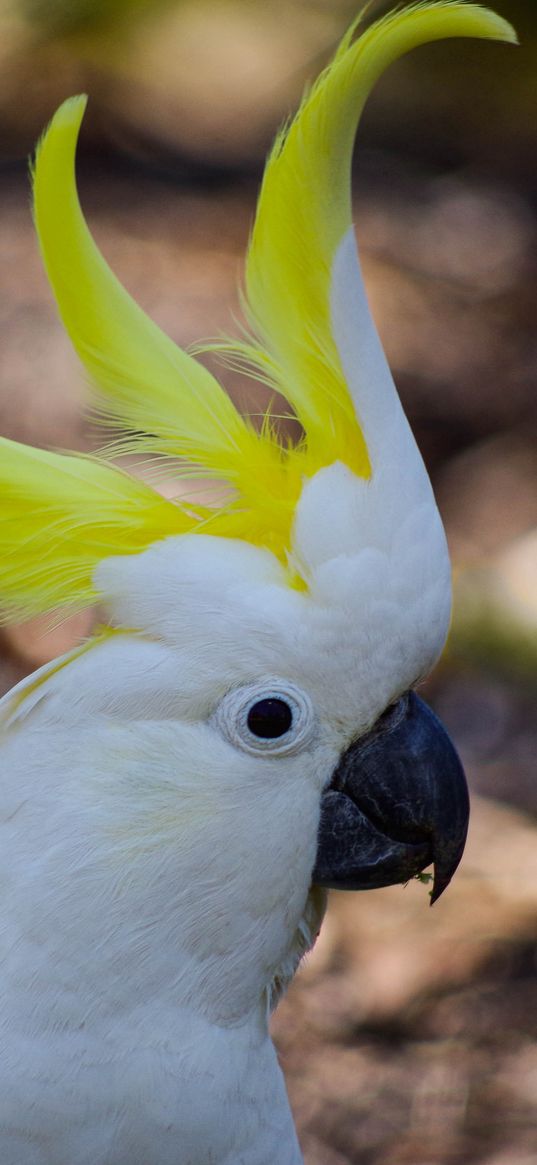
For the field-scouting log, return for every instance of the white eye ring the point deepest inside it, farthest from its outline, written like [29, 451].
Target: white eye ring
[231, 718]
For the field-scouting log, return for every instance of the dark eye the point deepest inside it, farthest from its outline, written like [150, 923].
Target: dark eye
[270, 718]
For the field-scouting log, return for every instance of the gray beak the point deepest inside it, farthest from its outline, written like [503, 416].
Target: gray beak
[397, 802]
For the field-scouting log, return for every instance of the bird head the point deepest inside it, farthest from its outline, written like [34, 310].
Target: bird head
[279, 634]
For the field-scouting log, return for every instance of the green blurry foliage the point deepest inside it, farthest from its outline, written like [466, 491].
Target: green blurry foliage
[59, 18]
[172, 65]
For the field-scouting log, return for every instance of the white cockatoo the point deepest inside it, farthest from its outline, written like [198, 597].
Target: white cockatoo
[242, 731]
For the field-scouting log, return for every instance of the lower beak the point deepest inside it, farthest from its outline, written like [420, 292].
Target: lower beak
[397, 802]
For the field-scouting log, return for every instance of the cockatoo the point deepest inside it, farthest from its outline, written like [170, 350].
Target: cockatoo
[242, 732]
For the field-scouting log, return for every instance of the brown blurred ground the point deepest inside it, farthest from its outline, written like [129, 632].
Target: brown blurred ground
[410, 1038]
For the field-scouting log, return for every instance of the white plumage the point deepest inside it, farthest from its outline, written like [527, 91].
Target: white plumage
[160, 826]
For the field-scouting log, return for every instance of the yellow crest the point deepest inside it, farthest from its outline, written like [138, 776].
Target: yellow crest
[61, 515]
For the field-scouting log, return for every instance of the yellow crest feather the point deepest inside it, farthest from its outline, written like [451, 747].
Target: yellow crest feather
[63, 514]
[304, 211]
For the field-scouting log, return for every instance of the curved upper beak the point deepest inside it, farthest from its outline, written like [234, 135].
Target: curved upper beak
[397, 802]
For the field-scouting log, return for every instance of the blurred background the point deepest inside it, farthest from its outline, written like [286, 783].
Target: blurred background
[410, 1037]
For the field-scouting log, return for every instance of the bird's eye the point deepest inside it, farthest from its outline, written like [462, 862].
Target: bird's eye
[270, 718]
[273, 718]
